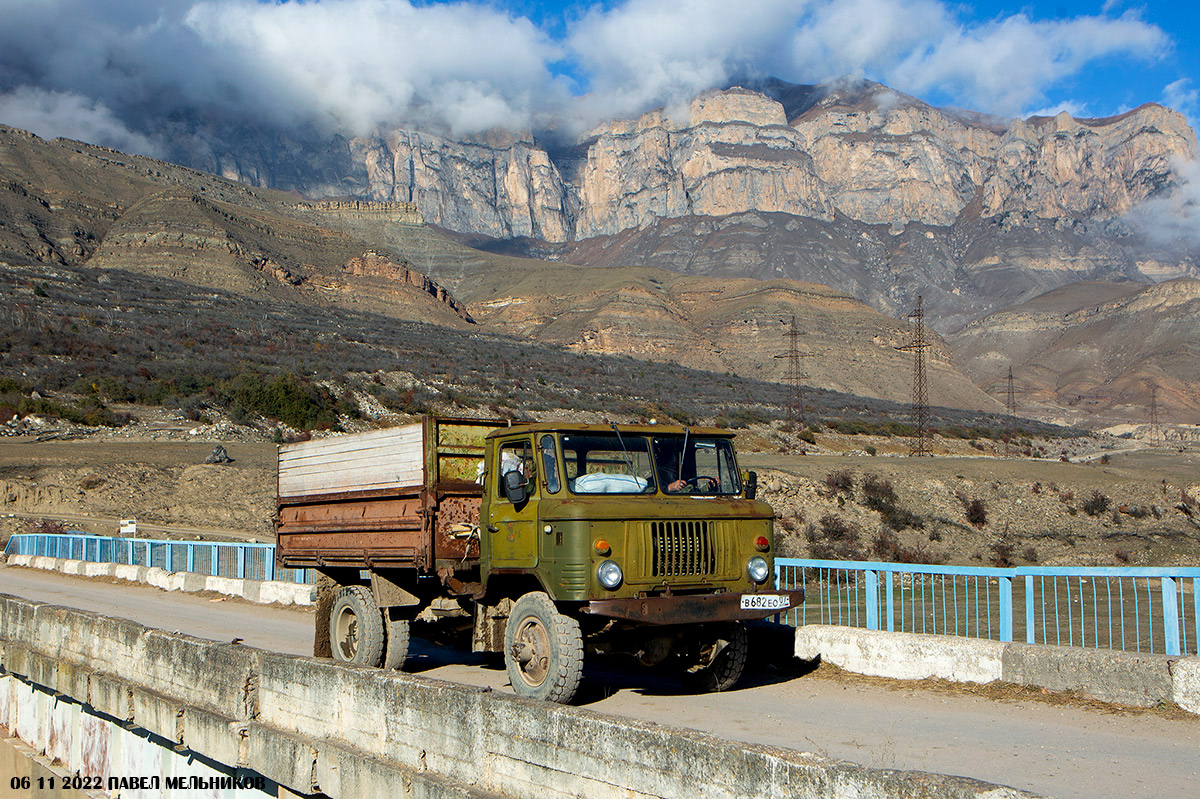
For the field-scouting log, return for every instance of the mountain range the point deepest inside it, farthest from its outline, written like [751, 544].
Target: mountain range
[692, 235]
[851, 185]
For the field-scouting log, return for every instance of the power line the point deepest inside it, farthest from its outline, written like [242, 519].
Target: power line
[920, 391]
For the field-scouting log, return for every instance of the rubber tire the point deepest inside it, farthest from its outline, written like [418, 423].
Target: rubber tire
[396, 651]
[535, 616]
[355, 612]
[725, 671]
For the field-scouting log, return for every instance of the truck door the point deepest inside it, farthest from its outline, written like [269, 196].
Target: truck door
[512, 529]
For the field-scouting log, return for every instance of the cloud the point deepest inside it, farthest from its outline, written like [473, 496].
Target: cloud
[654, 52]
[71, 116]
[1006, 65]
[1175, 217]
[466, 66]
[1183, 97]
[359, 63]
[348, 65]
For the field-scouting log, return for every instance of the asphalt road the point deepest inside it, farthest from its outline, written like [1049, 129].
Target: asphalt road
[1053, 750]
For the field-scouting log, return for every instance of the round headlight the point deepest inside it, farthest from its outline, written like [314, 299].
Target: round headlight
[757, 569]
[609, 574]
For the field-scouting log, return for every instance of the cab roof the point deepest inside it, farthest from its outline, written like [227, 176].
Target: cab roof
[600, 429]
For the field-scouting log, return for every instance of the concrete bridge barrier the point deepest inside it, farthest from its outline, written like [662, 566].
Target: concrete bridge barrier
[1128, 678]
[308, 725]
[260, 591]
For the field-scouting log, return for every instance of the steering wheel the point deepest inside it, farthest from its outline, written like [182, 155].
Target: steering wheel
[703, 483]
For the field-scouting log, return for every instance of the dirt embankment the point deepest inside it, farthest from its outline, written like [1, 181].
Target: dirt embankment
[91, 484]
[988, 511]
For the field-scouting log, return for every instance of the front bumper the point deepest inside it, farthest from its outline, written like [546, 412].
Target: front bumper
[694, 609]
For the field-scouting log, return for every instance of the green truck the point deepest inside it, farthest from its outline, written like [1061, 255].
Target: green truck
[554, 539]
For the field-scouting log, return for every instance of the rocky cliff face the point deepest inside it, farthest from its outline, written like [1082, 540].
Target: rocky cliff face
[971, 211]
[861, 150]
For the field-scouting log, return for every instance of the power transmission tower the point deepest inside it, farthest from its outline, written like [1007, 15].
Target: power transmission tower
[920, 392]
[1010, 403]
[1155, 431]
[794, 377]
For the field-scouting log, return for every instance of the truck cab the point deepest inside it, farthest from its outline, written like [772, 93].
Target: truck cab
[614, 518]
[647, 533]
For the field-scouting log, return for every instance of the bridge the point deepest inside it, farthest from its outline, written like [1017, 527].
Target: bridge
[180, 706]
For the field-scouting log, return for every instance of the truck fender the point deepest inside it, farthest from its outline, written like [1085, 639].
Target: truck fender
[389, 594]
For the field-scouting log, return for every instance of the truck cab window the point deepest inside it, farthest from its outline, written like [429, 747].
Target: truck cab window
[516, 456]
[696, 465]
[608, 464]
[549, 464]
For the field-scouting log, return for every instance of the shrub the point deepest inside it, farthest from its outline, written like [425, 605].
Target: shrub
[1002, 554]
[47, 527]
[977, 512]
[841, 481]
[1029, 554]
[887, 547]
[1096, 504]
[877, 492]
[834, 539]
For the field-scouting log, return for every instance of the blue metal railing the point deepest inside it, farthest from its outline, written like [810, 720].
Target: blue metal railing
[1126, 608]
[219, 559]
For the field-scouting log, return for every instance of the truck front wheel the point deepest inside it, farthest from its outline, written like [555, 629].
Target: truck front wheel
[543, 650]
[356, 627]
[721, 664]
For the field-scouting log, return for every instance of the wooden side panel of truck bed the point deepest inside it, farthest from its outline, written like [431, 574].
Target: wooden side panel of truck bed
[388, 498]
[379, 460]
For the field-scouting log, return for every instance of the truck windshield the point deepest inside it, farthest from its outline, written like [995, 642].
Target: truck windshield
[696, 465]
[607, 464]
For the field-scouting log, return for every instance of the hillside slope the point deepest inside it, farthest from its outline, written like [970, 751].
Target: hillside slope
[1094, 350]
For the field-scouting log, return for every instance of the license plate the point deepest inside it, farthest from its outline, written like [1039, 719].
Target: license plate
[765, 602]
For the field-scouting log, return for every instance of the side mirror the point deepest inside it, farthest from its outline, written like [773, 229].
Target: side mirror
[516, 487]
[751, 485]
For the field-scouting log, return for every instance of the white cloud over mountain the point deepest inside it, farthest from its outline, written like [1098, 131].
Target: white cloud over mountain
[114, 71]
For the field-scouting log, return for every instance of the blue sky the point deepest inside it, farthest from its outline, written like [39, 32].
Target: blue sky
[122, 69]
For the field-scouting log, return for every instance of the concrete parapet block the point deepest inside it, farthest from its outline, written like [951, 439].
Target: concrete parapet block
[902, 656]
[110, 696]
[1185, 683]
[1126, 678]
[134, 574]
[183, 668]
[215, 736]
[193, 583]
[159, 578]
[157, 714]
[17, 617]
[286, 759]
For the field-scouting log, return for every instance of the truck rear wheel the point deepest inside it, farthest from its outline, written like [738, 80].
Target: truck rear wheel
[356, 627]
[396, 651]
[543, 650]
[726, 661]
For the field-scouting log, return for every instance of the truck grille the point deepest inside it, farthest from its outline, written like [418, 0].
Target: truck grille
[681, 549]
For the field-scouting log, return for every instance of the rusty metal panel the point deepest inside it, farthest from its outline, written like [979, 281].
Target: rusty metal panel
[401, 513]
[692, 609]
[450, 540]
